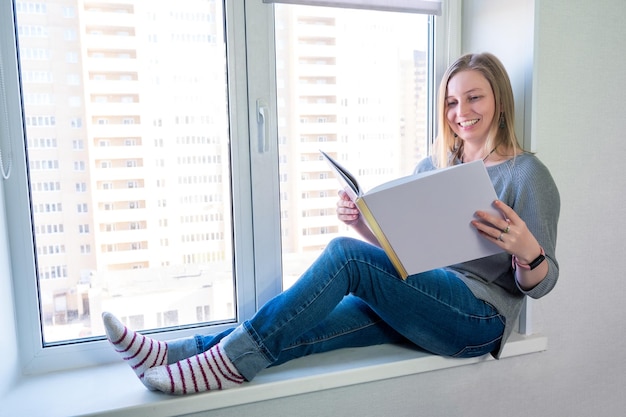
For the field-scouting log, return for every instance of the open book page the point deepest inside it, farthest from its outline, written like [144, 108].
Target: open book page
[347, 180]
[350, 183]
[425, 220]
[402, 180]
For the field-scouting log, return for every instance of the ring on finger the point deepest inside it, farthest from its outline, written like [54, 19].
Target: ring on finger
[506, 230]
[500, 237]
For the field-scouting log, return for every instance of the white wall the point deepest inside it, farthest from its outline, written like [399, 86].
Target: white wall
[578, 108]
[579, 125]
[511, 40]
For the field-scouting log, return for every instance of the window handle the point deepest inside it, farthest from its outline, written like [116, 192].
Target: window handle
[262, 111]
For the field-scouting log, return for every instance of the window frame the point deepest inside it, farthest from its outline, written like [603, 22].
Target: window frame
[34, 357]
[254, 157]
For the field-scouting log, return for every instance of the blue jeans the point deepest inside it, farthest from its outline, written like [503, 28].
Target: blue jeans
[351, 296]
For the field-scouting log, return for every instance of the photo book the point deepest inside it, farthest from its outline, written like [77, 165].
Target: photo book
[422, 221]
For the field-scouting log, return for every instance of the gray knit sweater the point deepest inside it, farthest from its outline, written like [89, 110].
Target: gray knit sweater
[524, 184]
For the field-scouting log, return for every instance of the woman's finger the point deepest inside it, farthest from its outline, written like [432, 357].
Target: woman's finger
[509, 214]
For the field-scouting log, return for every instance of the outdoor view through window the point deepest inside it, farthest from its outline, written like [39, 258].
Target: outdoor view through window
[353, 83]
[127, 134]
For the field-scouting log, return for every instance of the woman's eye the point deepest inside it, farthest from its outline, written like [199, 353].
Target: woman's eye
[450, 103]
[474, 98]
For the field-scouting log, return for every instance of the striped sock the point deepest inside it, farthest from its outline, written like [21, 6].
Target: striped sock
[140, 352]
[207, 371]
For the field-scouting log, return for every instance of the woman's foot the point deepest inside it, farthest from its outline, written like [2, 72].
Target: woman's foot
[140, 352]
[208, 371]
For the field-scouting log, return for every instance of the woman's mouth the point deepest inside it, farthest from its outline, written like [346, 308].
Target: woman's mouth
[468, 123]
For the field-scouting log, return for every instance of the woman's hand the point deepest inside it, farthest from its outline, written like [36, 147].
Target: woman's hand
[350, 215]
[347, 211]
[510, 232]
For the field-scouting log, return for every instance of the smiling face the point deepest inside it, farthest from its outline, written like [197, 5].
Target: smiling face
[470, 106]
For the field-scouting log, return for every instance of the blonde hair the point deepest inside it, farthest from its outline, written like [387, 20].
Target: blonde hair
[448, 148]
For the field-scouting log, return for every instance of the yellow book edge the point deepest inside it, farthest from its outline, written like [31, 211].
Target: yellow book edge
[382, 239]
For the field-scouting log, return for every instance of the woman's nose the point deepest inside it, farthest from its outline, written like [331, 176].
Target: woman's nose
[462, 108]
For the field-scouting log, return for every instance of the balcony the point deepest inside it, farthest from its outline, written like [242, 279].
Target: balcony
[116, 130]
[116, 216]
[125, 257]
[317, 50]
[119, 174]
[316, 31]
[311, 147]
[109, 42]
[99, 18]
[322, 129]
[314, 109]
[322, 69]
[111, 64]
[117, 152]
[317, 89]
[114, 109]
[114, 87]
[122, 236]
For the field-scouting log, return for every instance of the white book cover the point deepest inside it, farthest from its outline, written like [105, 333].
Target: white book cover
[422, 221]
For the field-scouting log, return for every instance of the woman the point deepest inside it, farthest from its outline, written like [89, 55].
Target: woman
[352, 296]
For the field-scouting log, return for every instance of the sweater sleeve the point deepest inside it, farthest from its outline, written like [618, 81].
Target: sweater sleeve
[537, 202]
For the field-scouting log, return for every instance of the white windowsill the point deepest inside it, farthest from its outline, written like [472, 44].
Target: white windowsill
[114, 390]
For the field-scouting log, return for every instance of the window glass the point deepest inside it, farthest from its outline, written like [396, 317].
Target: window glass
[354, 84]
[127, 131]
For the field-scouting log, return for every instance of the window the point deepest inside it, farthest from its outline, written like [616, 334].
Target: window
[182, 208]
[375, 64]
[117, 240]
